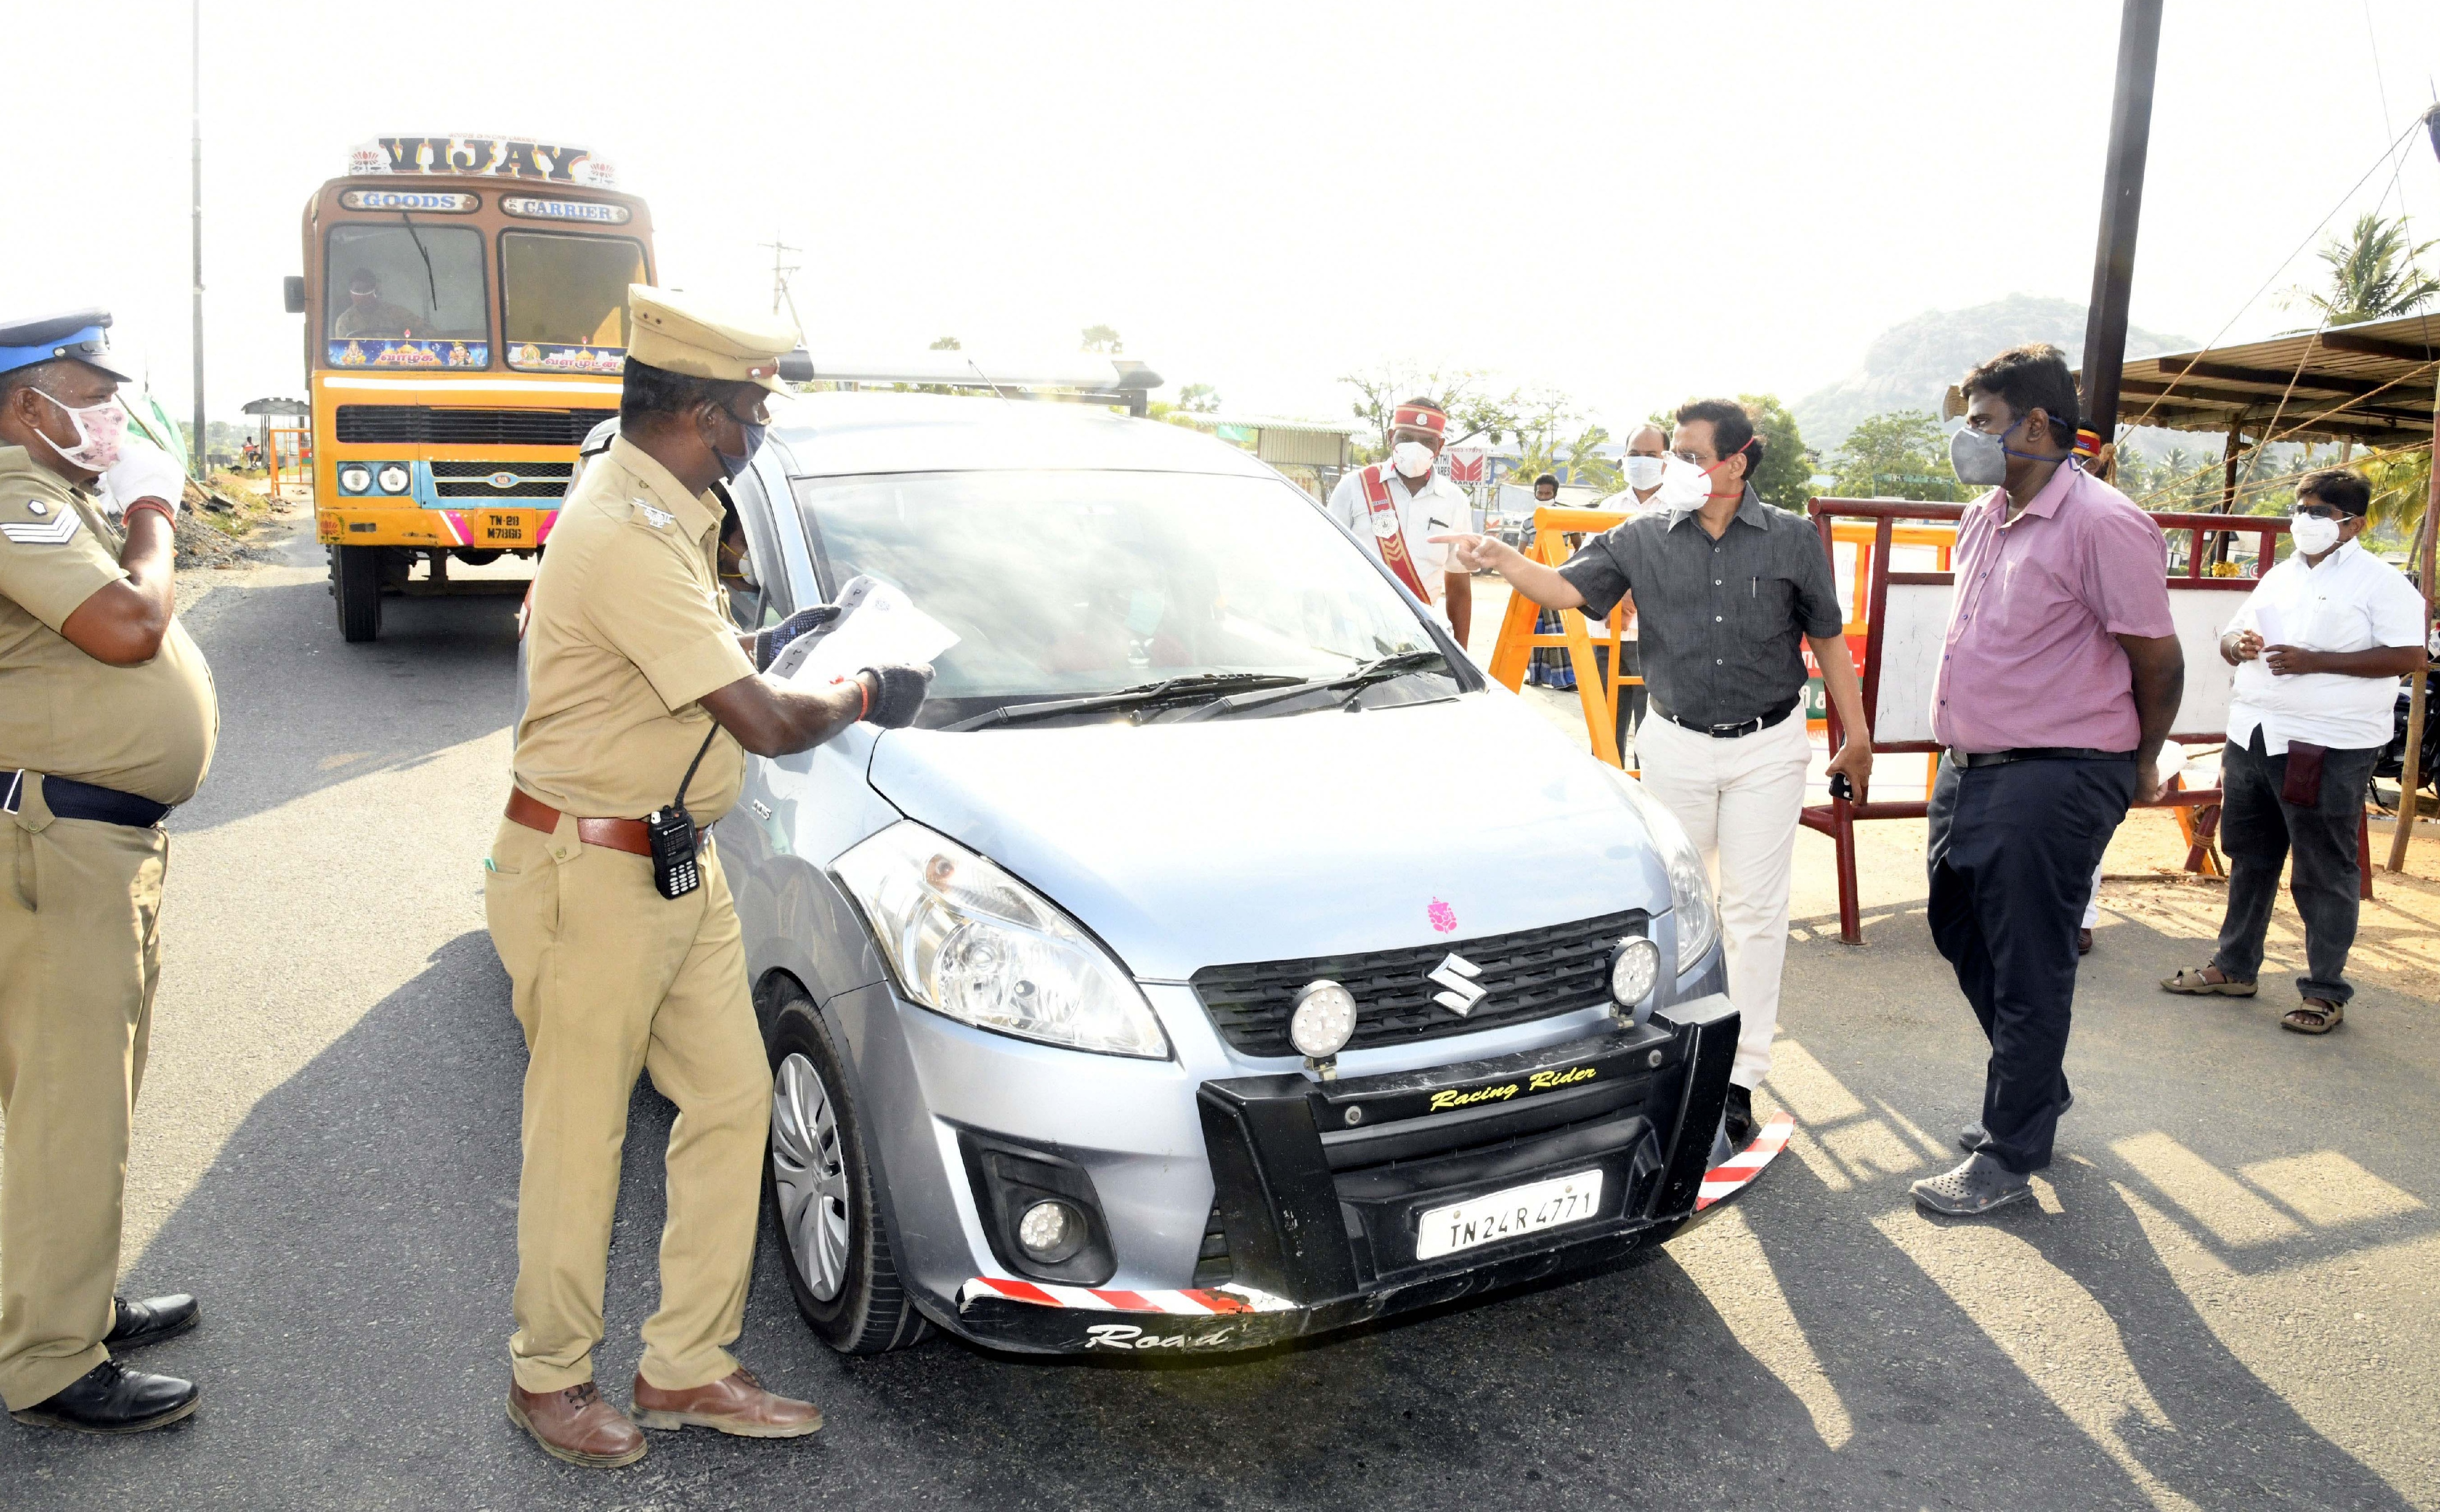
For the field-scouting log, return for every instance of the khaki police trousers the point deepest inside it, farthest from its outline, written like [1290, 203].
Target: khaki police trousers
[80, 957]
[609, 977]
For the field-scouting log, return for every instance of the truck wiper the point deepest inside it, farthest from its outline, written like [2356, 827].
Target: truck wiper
[1169, 689]
[429, 281]
[1351, 683]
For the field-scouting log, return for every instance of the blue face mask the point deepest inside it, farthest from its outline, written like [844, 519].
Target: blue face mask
[730, 463]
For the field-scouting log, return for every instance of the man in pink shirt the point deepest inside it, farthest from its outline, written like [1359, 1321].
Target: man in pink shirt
[2058, 679]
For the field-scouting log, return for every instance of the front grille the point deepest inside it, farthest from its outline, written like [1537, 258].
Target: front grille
[1528, 975]
[422, 425]
[472, 481]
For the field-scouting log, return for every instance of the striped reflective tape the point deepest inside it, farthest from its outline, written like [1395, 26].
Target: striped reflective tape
[1736, 1173]
[1198, 1303]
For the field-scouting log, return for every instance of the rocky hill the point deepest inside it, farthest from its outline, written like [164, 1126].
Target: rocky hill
[1910, 364]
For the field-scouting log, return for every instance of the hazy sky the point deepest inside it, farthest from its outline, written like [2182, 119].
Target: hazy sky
[1630, 201]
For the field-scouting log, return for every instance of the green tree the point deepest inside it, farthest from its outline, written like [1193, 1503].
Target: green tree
[1201, 399]
[1104, 339]
[1586, 466]
[1785, 477]
[1899, 454]
[2373, 274]
[948, 344]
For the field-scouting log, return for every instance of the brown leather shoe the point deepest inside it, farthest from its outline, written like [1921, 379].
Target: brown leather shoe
[575, 1425]
[734, 1404]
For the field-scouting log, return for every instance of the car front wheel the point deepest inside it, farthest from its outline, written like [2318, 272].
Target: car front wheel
[840, 1265]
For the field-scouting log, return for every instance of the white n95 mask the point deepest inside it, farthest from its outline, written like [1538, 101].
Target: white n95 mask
[1412, 458]
[2312, 533]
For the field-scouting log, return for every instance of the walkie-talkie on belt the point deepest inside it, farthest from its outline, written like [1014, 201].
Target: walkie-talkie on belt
[671, 830]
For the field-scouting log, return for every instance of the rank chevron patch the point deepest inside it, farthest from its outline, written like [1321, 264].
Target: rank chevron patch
[49, 532]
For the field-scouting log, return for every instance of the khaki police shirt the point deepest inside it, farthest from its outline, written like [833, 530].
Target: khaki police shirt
[147, 729]
[624, 633]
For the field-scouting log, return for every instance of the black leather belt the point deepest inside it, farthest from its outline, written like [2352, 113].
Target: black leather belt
[1738, 731]
[2039, 753]
[68, 799]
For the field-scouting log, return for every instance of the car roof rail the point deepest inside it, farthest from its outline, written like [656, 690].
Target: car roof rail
[1085, 378]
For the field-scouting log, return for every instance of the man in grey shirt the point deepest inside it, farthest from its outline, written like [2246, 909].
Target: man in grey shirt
[1725, 588]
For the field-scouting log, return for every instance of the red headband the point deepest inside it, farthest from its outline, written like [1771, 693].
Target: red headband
[1420, 418]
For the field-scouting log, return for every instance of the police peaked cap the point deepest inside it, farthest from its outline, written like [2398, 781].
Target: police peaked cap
[81, 335]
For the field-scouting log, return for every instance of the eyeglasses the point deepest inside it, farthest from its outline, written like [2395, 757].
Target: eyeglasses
[2322, 512]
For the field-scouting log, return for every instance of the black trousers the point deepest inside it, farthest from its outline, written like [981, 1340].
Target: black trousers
[2260, 830]
[2013, 849]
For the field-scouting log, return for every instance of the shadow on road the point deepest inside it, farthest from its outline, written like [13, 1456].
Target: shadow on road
[354, 1246]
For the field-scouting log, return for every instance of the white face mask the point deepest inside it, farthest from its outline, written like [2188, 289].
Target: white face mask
[1412, 458]
[1683, 485]
[2312, 533]
[99, 428]
[1645, 471]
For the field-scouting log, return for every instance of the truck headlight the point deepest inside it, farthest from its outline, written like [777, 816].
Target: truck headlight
[967, 940]
[1689, 884]
[392, 477]
[355, 477]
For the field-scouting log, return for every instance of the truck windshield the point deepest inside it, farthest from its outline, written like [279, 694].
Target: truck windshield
[403, 281]
[564, 299]
[1064, 585]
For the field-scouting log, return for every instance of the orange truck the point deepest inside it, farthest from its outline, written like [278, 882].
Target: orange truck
[465, 304]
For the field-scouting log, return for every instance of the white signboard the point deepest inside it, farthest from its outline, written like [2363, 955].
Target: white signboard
[1916, 624]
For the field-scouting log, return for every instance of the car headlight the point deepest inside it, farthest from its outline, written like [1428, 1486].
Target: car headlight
[1690, 883]
[967, 940]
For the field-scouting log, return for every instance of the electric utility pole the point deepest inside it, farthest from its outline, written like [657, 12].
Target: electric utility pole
[780, 271]
[2122, 201]
[197, 461]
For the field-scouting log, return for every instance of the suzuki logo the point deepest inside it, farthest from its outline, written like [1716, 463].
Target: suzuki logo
[1456, 974]
[503, 479]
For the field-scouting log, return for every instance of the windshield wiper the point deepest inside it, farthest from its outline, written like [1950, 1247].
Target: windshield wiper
[1169, 689]
[429, 281]
[1351, 683]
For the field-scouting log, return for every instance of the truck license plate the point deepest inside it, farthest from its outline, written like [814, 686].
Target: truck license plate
[1506, 1215]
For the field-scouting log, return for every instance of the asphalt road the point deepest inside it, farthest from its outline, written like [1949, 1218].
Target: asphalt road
[2225, 1300]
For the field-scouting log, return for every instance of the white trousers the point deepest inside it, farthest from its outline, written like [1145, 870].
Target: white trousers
[1738, 801]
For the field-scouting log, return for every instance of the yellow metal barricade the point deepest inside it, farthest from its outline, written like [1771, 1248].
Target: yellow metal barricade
[1513, 651]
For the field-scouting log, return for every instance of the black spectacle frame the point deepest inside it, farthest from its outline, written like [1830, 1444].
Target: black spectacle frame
[2323, 511]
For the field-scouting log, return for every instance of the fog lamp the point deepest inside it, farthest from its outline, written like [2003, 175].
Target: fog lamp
[393, 478]
[1634, 970]
[1324, 1020]
[355, 479]
[1050, 1232]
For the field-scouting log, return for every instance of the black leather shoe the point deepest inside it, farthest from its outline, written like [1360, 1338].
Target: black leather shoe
[112, 1400]
[151, 1321]
[1738, 1119]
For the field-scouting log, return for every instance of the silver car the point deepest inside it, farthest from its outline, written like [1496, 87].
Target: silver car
[1178, 980]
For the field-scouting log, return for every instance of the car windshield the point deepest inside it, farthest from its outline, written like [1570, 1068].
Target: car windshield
[564, 299]
[407, 280]
[1065, 584]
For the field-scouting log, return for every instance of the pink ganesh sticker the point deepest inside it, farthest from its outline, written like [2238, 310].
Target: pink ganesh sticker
[1444, 917]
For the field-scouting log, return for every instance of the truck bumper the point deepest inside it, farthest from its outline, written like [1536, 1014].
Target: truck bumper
[488, 529]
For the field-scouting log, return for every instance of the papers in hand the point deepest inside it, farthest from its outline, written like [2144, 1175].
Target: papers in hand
[880, 624]
[2267, 626]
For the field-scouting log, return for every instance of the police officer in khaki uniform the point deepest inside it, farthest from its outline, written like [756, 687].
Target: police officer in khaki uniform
[637, 678]
[107, 720]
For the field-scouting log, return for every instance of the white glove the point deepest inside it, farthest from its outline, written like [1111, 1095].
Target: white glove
[143, 471]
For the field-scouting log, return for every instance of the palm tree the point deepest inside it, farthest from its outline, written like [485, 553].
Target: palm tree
[2373, 275]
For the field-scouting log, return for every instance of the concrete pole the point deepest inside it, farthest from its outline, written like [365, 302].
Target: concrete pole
[2122, 201]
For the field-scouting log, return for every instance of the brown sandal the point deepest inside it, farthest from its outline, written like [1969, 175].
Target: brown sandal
[2195, 985]
[2314, 1016]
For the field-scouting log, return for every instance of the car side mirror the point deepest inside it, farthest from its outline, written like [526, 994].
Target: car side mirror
[292, 289]
[796, 367]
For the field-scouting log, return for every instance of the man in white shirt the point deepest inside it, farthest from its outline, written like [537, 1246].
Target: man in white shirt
[1396, 507]
[2318, 647]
